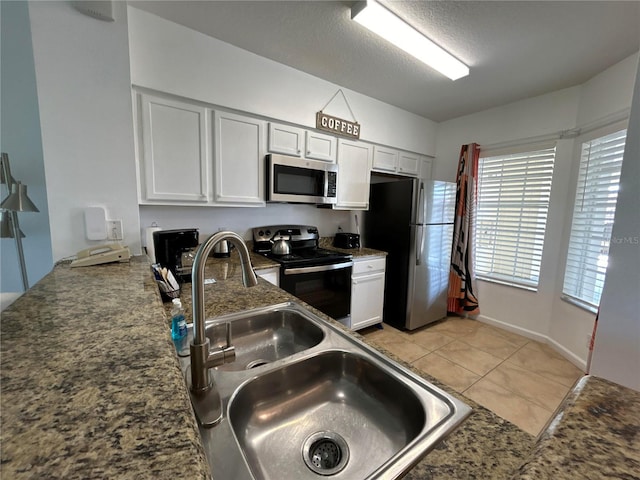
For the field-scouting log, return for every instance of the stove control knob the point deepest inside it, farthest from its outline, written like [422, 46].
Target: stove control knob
[261, 233]
[268, 233]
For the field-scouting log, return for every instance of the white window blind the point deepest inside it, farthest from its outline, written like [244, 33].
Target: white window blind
[593, 214]
[513, 201]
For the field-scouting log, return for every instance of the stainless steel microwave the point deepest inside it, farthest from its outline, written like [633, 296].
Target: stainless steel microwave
[298, 180]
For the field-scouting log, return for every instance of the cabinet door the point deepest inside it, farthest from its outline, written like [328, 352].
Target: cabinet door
[385, 159]
[354, 170]
[367, 300]
[271, 275]
[174, 151]
[239, 160]
[321, 146]
[408, 163]
[286, 139]
[425, 168]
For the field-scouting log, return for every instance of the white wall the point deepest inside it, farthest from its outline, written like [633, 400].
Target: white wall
[21, 140]
[602, 97]
[241, 220]
[171, 58]
[616, 354]
[84, 93]
[541, 314]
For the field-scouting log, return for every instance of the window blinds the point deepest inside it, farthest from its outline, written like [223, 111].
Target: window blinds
[513, 201]
[593, 214]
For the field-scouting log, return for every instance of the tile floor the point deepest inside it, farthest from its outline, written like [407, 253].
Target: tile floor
[519, 379]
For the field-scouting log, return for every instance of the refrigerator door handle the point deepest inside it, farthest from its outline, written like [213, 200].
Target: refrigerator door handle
[421, 205]
[419, 244]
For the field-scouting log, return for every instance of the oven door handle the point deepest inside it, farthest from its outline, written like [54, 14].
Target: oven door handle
[318, 268]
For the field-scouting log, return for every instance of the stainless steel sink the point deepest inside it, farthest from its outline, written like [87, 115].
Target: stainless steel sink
[262, 337]
[331, 407]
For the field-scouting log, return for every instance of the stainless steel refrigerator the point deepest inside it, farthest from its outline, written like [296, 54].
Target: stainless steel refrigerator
[412, 220]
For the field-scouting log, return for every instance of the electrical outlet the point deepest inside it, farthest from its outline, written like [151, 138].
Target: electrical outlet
[114, 230]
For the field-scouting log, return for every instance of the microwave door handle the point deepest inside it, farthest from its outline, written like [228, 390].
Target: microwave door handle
[325, 187]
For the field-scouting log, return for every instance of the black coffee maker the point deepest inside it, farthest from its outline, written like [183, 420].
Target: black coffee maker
[175, 250]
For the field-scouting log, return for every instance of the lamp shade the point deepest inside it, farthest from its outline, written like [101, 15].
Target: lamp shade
[6, 225]
[18, 201]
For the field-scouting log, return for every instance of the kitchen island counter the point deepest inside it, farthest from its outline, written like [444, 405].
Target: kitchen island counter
[594, 434]
[91, 386]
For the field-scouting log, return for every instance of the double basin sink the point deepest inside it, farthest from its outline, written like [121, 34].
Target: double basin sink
[305, 400]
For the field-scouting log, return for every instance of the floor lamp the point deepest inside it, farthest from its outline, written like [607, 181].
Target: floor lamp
[17, 201]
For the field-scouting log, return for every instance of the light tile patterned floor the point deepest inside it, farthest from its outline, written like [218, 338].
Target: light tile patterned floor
[519, 379]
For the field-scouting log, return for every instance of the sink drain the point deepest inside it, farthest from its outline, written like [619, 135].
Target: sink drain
[257, 363]
[325, 453]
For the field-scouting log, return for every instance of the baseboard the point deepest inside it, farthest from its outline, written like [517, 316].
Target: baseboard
[569, 355]
[566, 353]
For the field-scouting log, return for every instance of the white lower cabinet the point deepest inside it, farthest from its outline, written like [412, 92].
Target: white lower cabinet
[367, 291]
[271, 275]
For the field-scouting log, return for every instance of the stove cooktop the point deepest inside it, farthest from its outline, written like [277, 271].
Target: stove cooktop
[303, 240]
[309, 257]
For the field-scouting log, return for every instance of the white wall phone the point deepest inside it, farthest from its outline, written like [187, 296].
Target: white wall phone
[102, 254]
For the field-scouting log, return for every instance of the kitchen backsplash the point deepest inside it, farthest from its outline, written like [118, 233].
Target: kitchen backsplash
[241, 220]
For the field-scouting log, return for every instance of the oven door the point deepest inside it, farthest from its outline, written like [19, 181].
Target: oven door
[325, 287]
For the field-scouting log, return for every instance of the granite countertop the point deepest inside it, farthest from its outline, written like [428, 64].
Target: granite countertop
[91, 386]
[594, 434]
[327, 242]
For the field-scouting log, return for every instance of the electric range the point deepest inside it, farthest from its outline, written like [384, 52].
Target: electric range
[319, 277]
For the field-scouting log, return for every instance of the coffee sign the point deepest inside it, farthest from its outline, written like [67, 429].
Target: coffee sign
[337, 125]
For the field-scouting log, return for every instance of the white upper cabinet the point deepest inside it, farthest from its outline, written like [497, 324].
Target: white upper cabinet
[354, 171]
[320, 146]
[239, 167]
[299, 142]
[173, 151]
[385, 159]
[408, 163]
[390, 160]
[286, 139]
[425, 168]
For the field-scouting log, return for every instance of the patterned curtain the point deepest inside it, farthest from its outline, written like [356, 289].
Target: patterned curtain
[462, 297]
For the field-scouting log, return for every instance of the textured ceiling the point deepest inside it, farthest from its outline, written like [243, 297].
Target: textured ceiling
[515, 49]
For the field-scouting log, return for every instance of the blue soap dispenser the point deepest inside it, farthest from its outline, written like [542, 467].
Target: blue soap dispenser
[178, 322]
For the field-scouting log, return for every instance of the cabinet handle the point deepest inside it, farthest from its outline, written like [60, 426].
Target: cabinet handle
[369, 266]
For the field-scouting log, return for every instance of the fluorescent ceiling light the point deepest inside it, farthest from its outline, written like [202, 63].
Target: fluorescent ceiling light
[389, 26]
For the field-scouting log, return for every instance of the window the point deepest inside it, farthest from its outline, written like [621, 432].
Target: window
[513, 201]
[593, 213]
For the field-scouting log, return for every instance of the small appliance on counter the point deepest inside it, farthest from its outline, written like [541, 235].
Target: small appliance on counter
[175, 250]
[346, 240]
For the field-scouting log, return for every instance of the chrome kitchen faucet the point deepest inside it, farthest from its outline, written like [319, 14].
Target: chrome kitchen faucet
[205, 399]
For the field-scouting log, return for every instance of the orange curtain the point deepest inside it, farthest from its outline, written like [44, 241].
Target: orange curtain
[462, 297]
